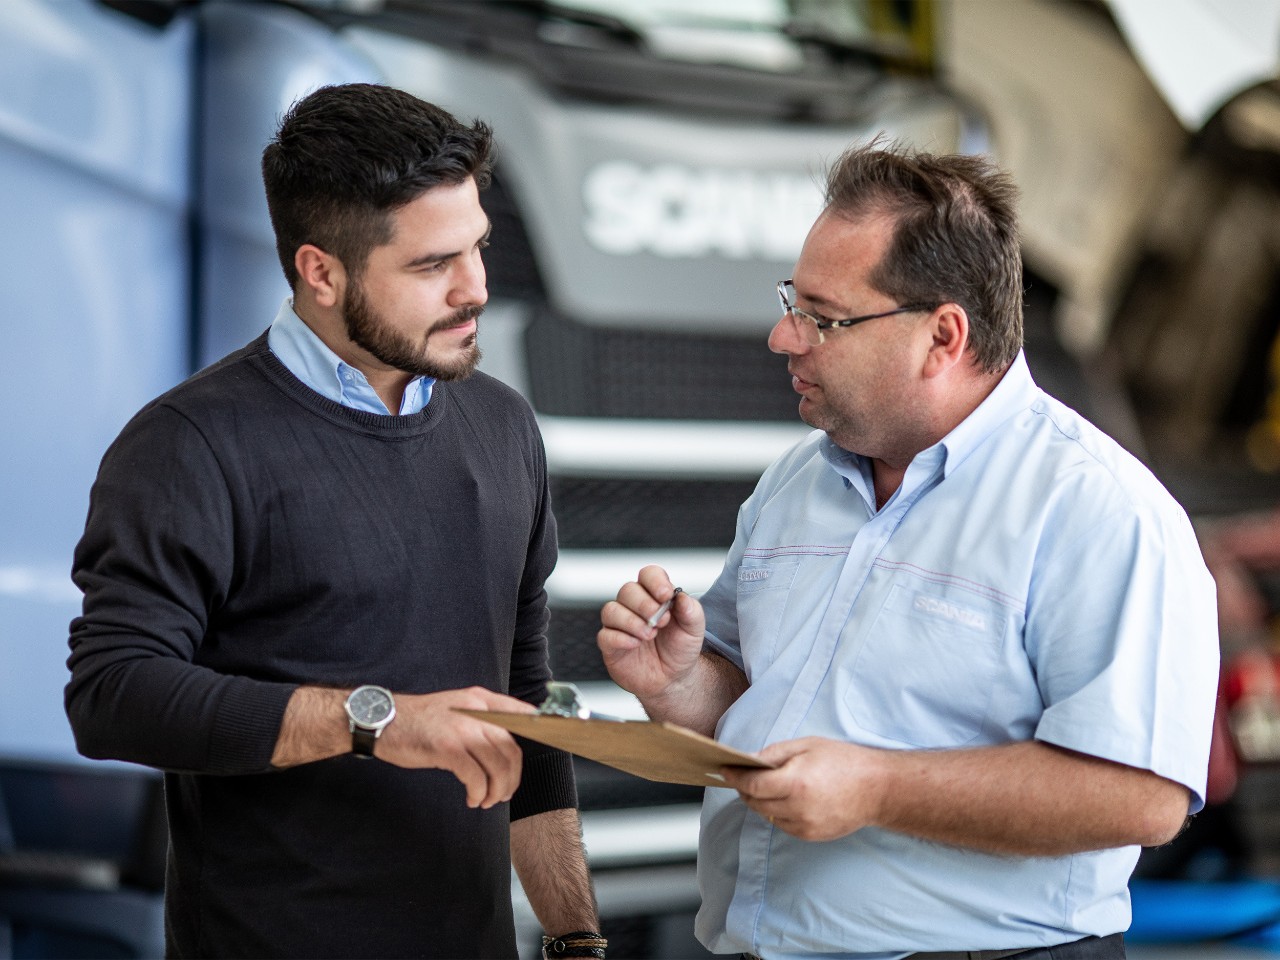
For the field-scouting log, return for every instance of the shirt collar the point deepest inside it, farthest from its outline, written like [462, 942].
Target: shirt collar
[1015, 391]
[309, 359]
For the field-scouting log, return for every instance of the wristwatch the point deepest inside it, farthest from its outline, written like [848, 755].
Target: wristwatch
[369, 709]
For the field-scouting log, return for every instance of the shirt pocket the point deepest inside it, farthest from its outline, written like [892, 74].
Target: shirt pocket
[764, 585]
[927, 668]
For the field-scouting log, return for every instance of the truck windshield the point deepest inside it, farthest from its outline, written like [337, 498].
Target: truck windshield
[781, 36]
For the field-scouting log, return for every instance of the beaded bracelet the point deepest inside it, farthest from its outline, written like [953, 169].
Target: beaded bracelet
[580, 943]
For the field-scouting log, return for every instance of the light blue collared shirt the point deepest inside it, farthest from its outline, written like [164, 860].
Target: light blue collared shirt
[1029, 579]
[307, 357]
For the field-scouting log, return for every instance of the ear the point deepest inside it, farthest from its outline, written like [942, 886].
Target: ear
[950, 339]
[322, 274]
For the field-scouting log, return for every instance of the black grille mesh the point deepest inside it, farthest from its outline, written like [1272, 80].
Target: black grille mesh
[572, 638]
[604, 788]
[581, 371]
[628, 513]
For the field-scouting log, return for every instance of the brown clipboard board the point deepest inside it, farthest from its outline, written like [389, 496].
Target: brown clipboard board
[656, 751]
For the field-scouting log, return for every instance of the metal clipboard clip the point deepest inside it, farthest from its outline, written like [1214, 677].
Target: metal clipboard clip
[565, 700]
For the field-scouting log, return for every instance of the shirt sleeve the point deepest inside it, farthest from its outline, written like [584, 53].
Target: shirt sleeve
[720, 603]
[547, 779]
[154, 564]
[1126, 659]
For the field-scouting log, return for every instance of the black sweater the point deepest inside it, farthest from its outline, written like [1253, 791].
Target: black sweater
[246, 536]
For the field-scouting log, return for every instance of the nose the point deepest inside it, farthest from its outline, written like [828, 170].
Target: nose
[785, 338]
[469, 287]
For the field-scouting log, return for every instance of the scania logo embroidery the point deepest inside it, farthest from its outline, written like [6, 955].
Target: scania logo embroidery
[754, 573]
[937, 607]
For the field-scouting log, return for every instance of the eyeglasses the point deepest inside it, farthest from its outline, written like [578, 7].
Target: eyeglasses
[811, 328]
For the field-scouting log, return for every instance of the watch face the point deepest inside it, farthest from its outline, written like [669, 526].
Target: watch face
[370, 706]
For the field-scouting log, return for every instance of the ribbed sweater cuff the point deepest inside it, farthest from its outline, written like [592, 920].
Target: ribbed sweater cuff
[247, 726]
[547, 782]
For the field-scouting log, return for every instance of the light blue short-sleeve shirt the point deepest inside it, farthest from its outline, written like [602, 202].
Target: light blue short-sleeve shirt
[1029, 579]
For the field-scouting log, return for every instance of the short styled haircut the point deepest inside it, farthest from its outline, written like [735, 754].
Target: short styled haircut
[347, 156]
[955, 236]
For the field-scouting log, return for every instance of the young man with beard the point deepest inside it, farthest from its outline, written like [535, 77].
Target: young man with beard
[975, 636]
[299, 561]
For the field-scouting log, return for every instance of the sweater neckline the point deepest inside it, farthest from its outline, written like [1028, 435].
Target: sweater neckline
[397, 426]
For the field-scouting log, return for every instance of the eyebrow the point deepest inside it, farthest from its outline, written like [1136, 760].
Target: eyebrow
[426, 258]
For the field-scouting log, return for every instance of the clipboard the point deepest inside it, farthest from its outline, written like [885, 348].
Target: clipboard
[651, 749]
[647, 748]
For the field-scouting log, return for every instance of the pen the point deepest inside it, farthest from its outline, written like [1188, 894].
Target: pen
[653, 621]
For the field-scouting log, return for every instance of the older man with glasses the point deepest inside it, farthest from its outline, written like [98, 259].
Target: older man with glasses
[974, 636]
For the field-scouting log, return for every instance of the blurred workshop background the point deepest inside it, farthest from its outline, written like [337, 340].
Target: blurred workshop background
[658, 166]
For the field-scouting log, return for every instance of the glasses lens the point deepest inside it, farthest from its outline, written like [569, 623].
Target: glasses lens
[804, 325]
[786, 293]
[807, 327]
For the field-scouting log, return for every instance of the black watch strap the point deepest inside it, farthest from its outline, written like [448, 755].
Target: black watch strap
[362, 741]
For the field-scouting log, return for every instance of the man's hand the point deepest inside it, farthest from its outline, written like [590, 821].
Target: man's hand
[821, 789]
[429, 732]
[426, 733]
[1007, 799]
[651, 661]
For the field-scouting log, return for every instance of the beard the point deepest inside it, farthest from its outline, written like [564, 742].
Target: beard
[367, 329]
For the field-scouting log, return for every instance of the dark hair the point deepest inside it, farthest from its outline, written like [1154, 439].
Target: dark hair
[955, 236]
[346, 157]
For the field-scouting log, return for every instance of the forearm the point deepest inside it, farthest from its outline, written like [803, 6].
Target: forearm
[314, 727]
[1021, 799]
[546, 851]
[1026, 799]
[700, 699]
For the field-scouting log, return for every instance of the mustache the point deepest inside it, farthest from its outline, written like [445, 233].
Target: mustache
[457, 318]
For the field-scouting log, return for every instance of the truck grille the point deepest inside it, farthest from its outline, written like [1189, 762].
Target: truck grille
[577, 370]
[627, 513]
[603, 788]
[572, 639]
